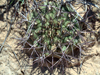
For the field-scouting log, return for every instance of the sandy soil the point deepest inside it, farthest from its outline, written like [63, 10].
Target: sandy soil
[11, 62]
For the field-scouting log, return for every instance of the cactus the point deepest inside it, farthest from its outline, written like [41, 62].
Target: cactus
[53, 33]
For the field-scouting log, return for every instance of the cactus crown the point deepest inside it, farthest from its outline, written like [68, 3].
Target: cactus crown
[54, 27]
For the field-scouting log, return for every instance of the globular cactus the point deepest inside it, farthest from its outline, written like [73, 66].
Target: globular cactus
[54, 34]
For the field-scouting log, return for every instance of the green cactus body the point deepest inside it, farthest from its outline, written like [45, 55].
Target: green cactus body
[53, 28]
